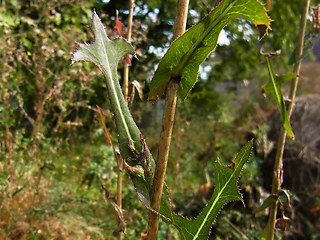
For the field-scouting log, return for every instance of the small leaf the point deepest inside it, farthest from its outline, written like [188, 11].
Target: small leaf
[267, 203]
[284, 196]
[182, 60]
[143, 189]
[264, 234]
[18, 189]
[131, 90]
[274, 87]
[121, 224]
[310, 39]
[119, 25]
[225, 190]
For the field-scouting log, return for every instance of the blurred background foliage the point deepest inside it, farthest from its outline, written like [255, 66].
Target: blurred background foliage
[54, 157]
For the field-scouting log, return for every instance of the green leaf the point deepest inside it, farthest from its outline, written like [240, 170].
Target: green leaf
[182, 60]
[226, 190]
[267, 203]
[264, 234]
[106, 54]
[8, 18]
[282, 195]
[274, 87]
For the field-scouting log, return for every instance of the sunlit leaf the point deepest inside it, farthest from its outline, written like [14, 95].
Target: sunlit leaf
[274, 87]
[225, 190]
[182, 60]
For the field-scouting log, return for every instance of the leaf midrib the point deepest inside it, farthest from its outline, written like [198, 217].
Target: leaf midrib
[213, 204]
[187, 56]
[271, 73]
[113, 89]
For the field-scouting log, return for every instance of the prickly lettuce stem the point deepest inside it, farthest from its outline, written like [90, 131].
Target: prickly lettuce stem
[166, 132]
[278, 171]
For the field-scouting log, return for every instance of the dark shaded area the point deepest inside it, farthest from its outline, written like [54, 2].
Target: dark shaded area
[301, 164]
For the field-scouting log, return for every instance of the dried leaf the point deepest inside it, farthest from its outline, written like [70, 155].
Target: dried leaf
[119, 25]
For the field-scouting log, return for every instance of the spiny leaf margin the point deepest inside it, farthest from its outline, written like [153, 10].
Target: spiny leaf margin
[106, 53]
[226, 190]
[182, 60]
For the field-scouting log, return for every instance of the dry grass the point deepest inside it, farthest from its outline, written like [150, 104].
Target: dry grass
[17, 220]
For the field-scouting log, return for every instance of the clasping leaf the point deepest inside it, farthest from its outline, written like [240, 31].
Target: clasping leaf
[182, 60]
[274, 87]
[225, 190]
[106, 53]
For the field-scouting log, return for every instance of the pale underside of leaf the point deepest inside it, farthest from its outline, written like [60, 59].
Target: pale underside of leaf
[106, 53]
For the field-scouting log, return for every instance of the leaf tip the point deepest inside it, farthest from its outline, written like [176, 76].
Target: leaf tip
[292, 136]
[153, 98]
[264, 25]
[262, 30]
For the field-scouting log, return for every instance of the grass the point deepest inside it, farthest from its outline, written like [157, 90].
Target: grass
[68, 203]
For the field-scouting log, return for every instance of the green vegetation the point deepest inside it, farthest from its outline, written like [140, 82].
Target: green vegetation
[58, 171]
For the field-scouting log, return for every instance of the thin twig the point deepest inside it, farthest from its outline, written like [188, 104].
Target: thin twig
[126, 63]
[125, 94]
[278, 171]
[117, 155]
[236, 229]
[166, 132]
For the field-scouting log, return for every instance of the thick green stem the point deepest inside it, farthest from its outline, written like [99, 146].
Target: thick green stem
[166, 132]
[278, 171]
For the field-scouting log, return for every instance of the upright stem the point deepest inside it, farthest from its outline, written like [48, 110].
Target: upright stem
[119, 190]
[278, 171]
[125, 94]
[166, 132]
[126, 64]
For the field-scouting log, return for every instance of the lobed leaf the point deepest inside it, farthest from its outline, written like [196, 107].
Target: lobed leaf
[225, 190]
[106, 54]
[182, 60]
